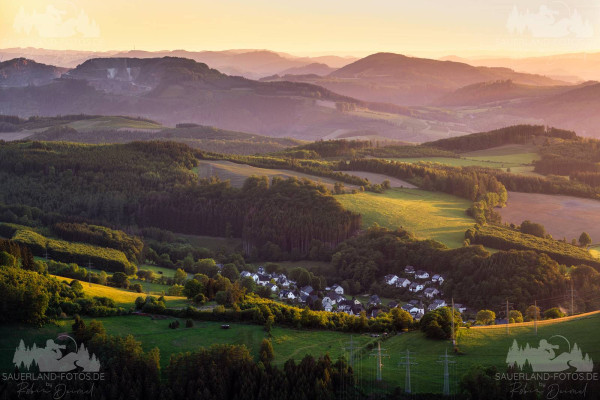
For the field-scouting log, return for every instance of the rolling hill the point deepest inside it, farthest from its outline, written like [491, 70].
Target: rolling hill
[20, 72]
[410, 81]
[171, 90]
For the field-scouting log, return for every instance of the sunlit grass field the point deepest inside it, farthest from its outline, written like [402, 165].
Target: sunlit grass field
[485, 347]
[430, 215]
[123, 298]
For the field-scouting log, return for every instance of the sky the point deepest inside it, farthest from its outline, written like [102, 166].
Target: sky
[307, 27]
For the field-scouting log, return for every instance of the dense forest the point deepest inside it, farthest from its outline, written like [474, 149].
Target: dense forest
[152, 184]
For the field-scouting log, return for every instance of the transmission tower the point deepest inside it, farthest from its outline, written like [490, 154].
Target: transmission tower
[350, 348]
[379, 356]
[445, 360]
[407, 362]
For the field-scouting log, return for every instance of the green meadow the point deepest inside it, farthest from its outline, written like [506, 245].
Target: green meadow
[429, 215]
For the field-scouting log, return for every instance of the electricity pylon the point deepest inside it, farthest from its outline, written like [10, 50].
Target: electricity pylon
[407, 362]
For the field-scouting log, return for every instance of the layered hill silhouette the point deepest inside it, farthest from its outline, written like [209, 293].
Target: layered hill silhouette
[410, 81]
[23, 72]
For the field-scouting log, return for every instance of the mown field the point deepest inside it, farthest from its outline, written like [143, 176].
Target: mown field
[431, 215]
[488, 346]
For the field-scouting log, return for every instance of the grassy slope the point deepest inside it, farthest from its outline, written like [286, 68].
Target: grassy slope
[114, 122]
[431, 215]
[124, 298]
[519, 158]
[487, 346]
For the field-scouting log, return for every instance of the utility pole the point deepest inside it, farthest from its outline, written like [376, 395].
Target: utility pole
[535, 312]
[378, 355]
[445, 361]
[572, 304]
[507, 319]
[407, 363]
[452, 332]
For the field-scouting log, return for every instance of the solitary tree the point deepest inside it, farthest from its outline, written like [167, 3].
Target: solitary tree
[266, 351]
[585, 240]
[486, 317]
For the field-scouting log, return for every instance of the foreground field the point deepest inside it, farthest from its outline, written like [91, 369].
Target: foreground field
[563, 216]
[487, 346]
[238, 173]
[430, 215]
[479, 347]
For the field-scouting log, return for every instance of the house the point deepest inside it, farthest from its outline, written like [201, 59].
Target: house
[261, 270]
[254, 277]
[263, 279]
[402, 282]
[374, 313]
[335, 298]
[327, 304]
[338, 289]
[420, 274]
[374, 300]
[414, 308]
[461, 309]
[287, 294]
[431, 292]
[245, 274]
[437, 279]
[283, 281]
[312, 299]
[393, 304]
[303, 298]
[415, 287]
[356, 309]
[306, 290]
[437, 303]
[418, 316]
[345, 306]
[409, 269]
[271, 286]
[391, 279]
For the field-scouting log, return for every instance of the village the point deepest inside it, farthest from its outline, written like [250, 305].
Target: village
[425, 291]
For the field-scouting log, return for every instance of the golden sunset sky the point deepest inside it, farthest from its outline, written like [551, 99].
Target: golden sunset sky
[306, 27]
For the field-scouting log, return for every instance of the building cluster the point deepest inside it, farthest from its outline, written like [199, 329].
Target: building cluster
[425, 287]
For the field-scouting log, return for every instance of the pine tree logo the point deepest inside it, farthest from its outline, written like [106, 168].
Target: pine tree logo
[52, 359]
[544, 358]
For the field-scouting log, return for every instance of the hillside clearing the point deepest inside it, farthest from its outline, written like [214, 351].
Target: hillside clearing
[430, 215]
[238, 173]
[379, 178]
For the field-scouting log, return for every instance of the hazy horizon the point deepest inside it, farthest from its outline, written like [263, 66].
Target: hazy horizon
[309, 28]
